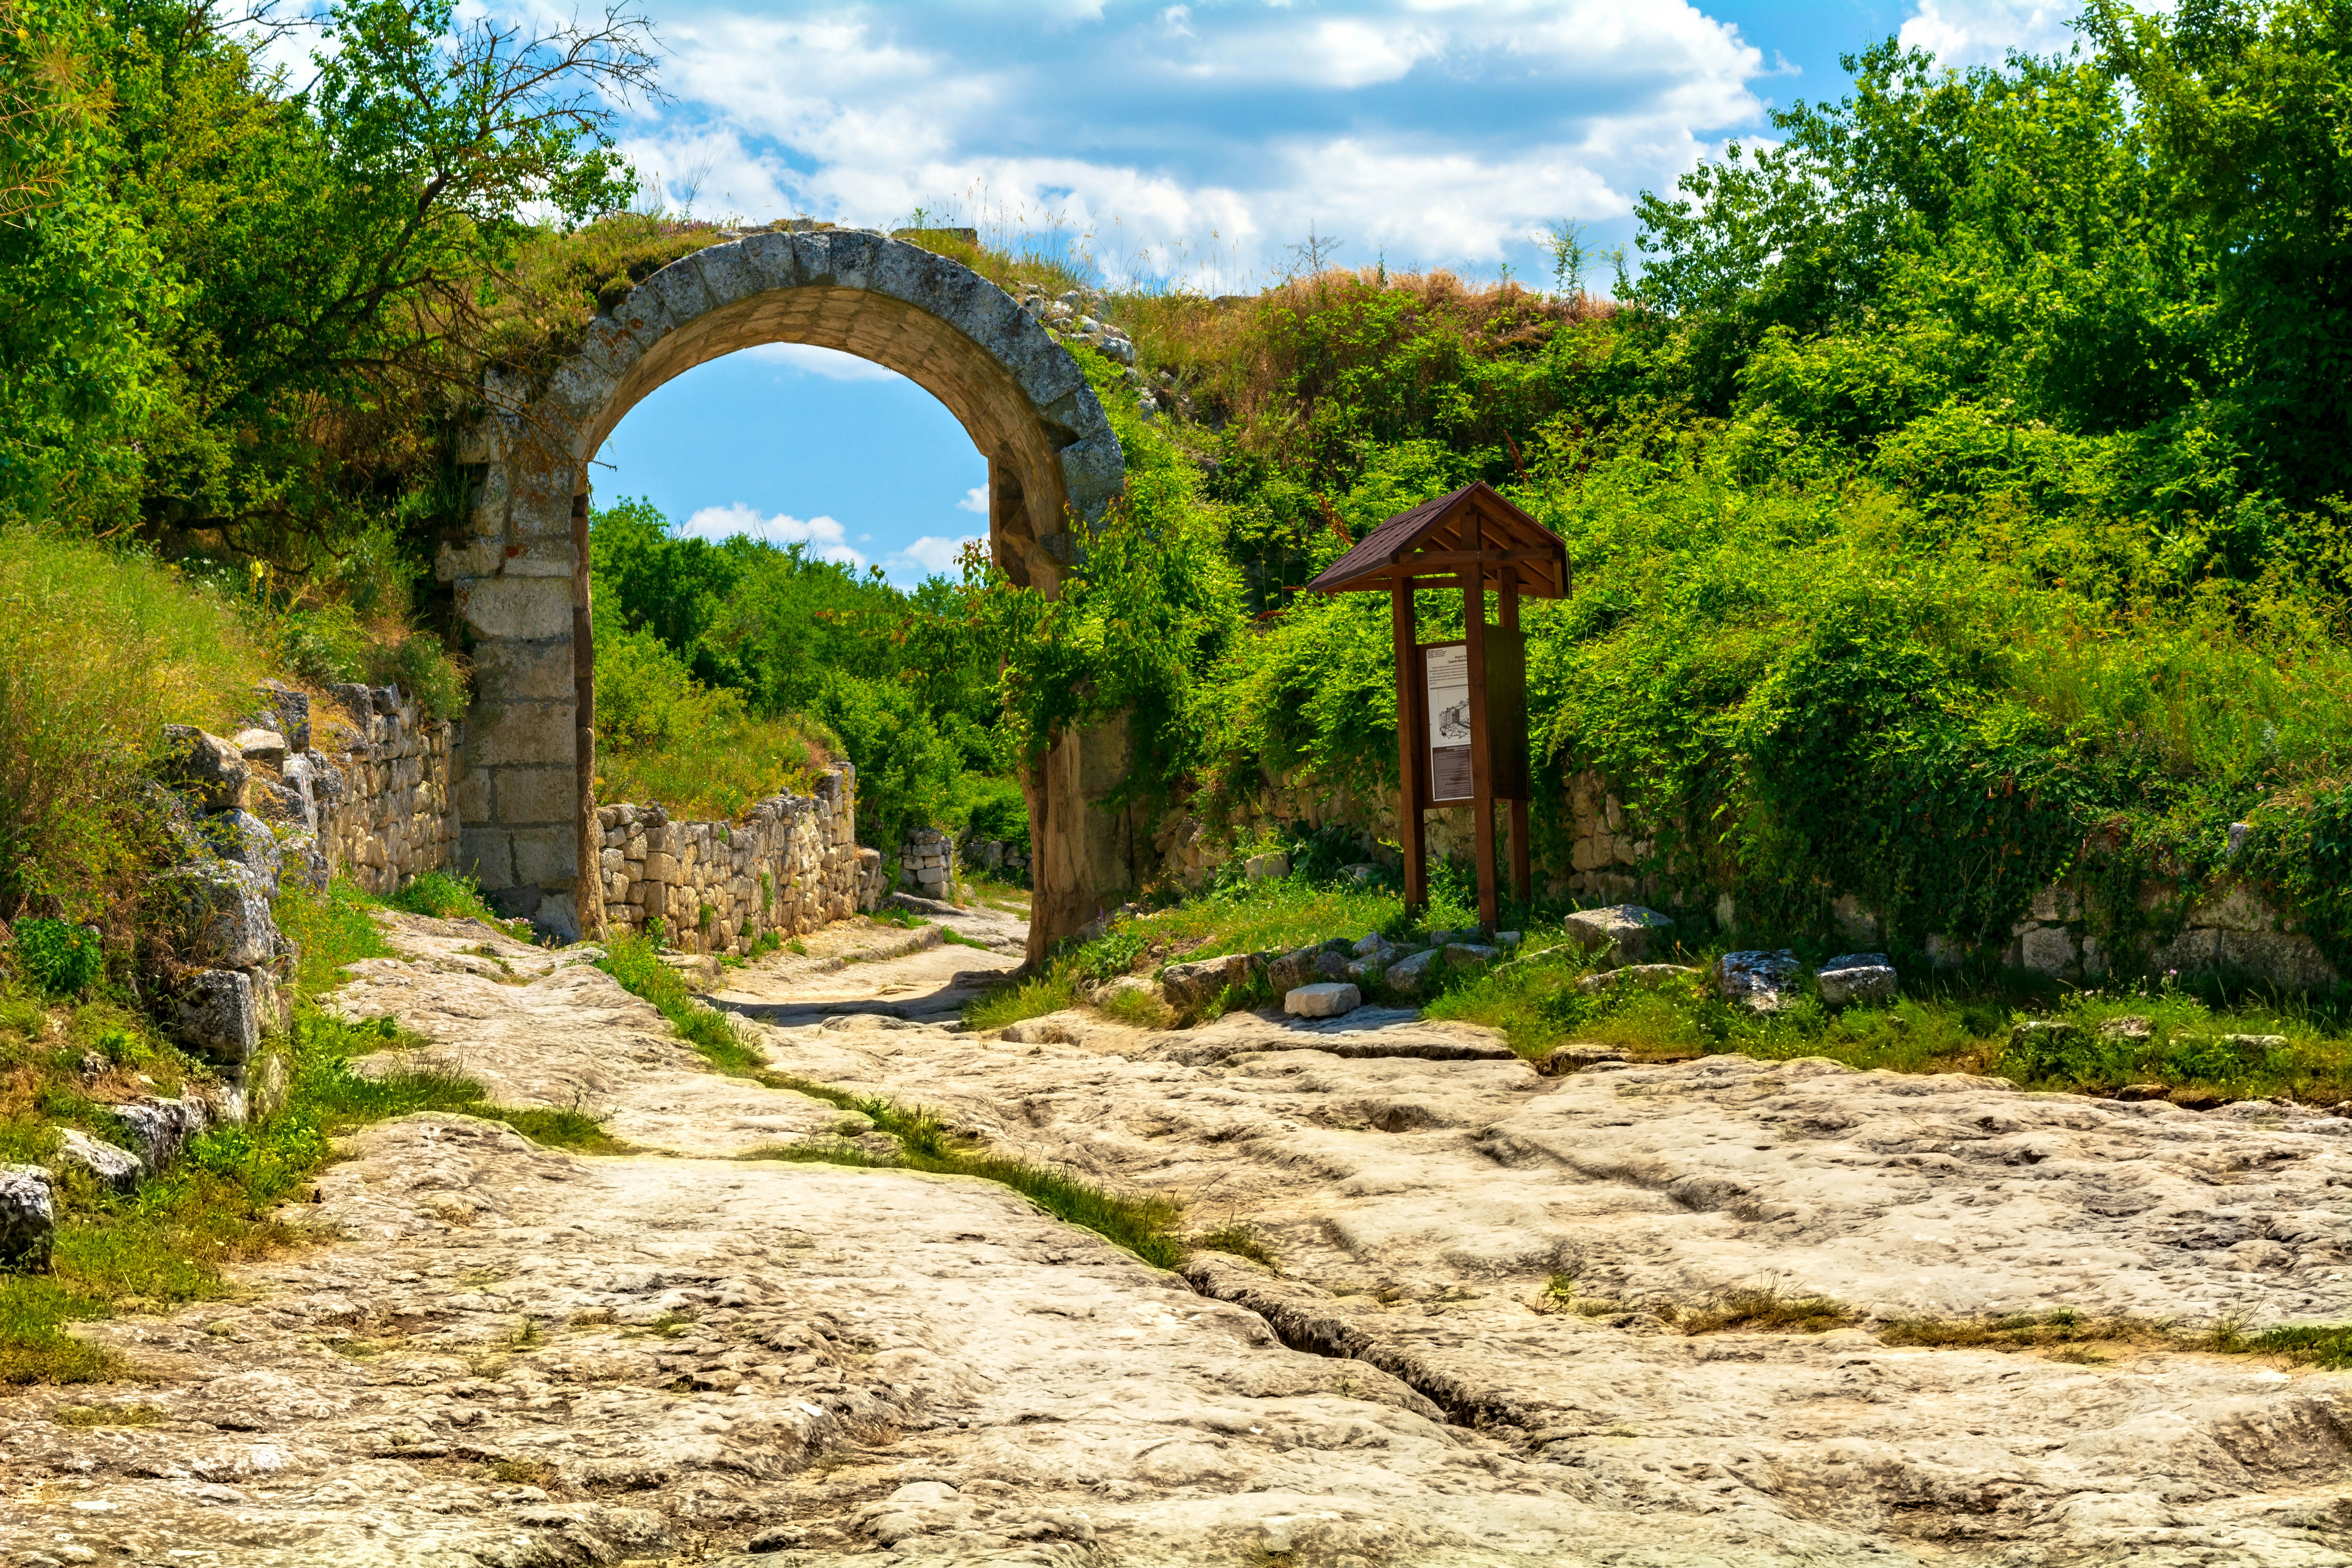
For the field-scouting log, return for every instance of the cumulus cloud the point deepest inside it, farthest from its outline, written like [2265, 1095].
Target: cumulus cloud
[831, 364]
[824, 537]
[1982, 32]
[929, 556]
[1195, 141]
[974, 500]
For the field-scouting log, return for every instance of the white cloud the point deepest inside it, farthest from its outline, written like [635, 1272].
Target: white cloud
[1194, 141]
[831, 364]
[1982, 32]
[824, 537]
[930, 555]
[974, 500]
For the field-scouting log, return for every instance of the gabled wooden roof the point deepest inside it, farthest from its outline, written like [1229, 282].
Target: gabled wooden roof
[1471, 527]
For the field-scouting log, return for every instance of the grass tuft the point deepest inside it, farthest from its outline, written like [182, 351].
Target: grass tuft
[1241, 1240]
[1011, 1003]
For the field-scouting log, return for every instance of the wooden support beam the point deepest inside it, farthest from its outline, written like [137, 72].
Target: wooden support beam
[1482, 779]
[1522, 862]
[1412, 746]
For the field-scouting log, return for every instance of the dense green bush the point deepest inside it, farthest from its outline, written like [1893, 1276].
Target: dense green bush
[61, 959]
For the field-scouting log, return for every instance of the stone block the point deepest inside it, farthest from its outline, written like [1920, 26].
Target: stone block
[1408, 974]
[2288, 960]
[2047, 950]
[215, 1012]
[1761, 981]
[1262, 867]
[218, 914]
[162, 1128]
[113, 1167]
[523, 734]
[536, 794]
[27, 1219]
[545, 856]
[266, 747]
[1196, 985]
[522, 672]
[1323, 1000]
[1857, 977]
[210, 770]
[661, 868]
[1623, 934]
[521, 608]
[487, 854]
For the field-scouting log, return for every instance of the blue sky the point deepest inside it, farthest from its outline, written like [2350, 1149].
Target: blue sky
[1185, 142]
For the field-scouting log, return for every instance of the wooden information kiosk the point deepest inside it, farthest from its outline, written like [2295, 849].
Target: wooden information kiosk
[1462, 706]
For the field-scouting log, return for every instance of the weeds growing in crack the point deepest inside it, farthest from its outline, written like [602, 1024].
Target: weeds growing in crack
[1241, 1240]
[1143, 1226]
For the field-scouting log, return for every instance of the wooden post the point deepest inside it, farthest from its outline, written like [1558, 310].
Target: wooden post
[1409, 758]
[1522, 864]
[1482, 775]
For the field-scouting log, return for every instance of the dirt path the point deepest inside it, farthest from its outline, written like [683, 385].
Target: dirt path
[524, 1357]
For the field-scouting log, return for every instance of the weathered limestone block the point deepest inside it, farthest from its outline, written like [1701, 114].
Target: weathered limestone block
[1760, 982]
[1323, 1000]
[113, 1167]
[1626, 933]
[1856, 977]
[215, 1012]
[212, 772]
[27, 1218]
[218, 914]
[162, 1128]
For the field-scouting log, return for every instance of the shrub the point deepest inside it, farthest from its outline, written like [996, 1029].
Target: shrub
[60, 959]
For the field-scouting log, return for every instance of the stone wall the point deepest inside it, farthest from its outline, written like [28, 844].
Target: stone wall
[362, 785]
[2222, 928]
[791, 865]
[927, 864]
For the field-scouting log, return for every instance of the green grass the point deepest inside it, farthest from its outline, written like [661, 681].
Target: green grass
[954, 938]
[1239, 1239]
[1011, 1003]
[635, 962]
[444, 895]
[1144, 1225]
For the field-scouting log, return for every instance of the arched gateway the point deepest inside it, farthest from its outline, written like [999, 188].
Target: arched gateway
[520, 573]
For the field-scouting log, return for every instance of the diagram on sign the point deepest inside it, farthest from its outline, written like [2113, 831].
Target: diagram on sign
[1449, 722]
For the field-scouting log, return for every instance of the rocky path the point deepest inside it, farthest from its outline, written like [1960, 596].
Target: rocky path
[520, 1357]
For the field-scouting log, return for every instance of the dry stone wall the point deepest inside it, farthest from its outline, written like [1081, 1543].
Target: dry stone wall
[2224, 927]
[396, 814]
[790, 866]
[927, 864]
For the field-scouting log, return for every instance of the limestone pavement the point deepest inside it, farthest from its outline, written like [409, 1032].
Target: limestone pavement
[516, 1357]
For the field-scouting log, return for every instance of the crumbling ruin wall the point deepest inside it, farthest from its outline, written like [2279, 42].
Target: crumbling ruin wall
[791, 865]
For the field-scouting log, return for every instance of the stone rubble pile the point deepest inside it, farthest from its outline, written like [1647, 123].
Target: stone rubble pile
[995, 855]
[1073, 318]
[927, 864]
[791, 865]
[1332, 977]
[269, 805]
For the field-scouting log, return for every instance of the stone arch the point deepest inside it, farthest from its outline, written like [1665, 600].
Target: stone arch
[520, 573]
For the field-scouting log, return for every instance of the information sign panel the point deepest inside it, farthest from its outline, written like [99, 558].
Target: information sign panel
[1448, 668]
